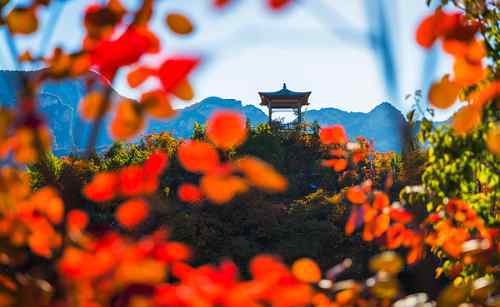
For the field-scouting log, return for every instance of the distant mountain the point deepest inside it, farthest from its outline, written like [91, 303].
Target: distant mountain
[59, 102]
[382, 124]
[182, 124]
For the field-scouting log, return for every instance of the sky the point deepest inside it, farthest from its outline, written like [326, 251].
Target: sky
[313, 45]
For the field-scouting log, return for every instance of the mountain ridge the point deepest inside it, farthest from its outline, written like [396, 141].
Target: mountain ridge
[59, 102]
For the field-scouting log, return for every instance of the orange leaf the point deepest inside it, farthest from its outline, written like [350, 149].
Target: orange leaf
[197, 156]
[48, 202]
[157, 104]
[226, 129]
[22, 20]
[103, 187]
[400, 215]
[179, 24]
[128, 121]
[138, 76]
[381, 224]
[493, 140]
[189, 193]
[40, 244]
[25, 57]
[131, 213]
[352, 222]
[132, 180]
[76, 221]
[144, 271]
[183, 90]
[395, 235]
[484, 95]
[172, 252]
[415, 254]
[466, 119]
[220, 190]
[476, 51]
[455, 47]
[337, 164]
[380, 200]
[93, 106]
[306, 270]
[356, 195]
[59, 64]
[333, 135]
[264, 267]
[156, 163]
[369, 213]
[466, 73]
[443, 94]
[81, 64]
[261, 174]
[368, 231]
[426, 34]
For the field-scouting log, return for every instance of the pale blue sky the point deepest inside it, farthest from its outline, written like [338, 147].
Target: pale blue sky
[247, 48]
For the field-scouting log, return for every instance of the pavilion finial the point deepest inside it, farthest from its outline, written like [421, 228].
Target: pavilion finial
[284, 85]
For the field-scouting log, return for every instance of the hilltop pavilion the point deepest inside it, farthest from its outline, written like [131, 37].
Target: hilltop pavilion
[285, 99]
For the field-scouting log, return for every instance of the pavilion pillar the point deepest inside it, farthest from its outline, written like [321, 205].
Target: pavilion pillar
[270, 107]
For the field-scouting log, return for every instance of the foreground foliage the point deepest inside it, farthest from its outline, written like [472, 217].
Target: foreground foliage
[56, 252]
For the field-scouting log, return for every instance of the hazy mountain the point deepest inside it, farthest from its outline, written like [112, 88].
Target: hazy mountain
[182, 124]
[382, 124]
[59, 102]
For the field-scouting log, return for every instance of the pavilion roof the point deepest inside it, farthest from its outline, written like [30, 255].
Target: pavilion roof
[284, 95]
[284, 92]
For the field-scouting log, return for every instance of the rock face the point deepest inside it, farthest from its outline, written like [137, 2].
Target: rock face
[59, 102]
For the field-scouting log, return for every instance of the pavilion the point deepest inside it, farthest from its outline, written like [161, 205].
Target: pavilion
[285, 99]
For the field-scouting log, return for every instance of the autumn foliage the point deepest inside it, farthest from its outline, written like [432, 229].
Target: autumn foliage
[54, 252]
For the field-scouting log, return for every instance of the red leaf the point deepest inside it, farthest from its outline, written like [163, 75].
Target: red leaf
[175, 70]
[356, 195]
[172, 252]
[132, 213]
[189, 193]
[352, 222]
[400, 215]
[76, 220]
[333, 135]
[103, 187]
[131, 180]
[197, 156]
[226, 129]
[278, 4]
[156, 163]
[221, 3]
[110, 55]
